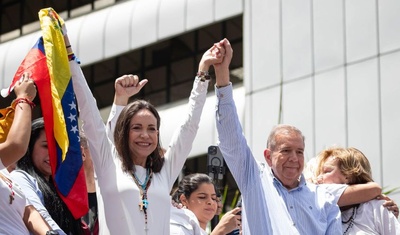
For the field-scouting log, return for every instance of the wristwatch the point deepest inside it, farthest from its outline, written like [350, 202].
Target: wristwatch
[52, 232]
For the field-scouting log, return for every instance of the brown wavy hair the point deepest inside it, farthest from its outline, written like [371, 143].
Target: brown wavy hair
[155, 160]
[352, 163]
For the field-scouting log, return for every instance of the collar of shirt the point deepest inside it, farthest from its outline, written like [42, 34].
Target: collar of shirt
[278, 183]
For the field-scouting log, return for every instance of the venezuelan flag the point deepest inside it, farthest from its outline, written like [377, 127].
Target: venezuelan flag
[48, 63]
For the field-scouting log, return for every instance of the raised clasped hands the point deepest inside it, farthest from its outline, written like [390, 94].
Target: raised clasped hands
[224, 46]
[224, 51]
[212, 56]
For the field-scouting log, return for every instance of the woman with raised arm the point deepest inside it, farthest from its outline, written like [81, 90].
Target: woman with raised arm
[134, 176]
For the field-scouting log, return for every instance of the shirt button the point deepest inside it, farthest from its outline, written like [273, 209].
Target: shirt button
[291, 207]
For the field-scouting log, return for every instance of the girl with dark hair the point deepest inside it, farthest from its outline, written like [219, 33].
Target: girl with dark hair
[134, 175]
[196, 192]
[33, 173]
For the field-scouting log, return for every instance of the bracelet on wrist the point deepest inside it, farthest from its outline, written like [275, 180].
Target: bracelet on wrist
[22, 100]
[71, 56]
[203, 75]
[52, 232]
[68, 46]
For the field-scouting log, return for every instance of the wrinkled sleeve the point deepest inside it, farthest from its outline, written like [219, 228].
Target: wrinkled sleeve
[112, 120]
[184, 222]
[34, 196]
[335, 189]
[334, 219]
[232, 142]
[182, 140]
[99, 145]
[385, 221]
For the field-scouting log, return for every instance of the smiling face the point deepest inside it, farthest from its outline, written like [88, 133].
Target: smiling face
[143, 136]
[286, 158]
[202, 202]
[331, 173]
[40, 155]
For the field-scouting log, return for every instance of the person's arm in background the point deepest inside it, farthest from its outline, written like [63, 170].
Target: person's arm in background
[31, 190]
[17, 139]
[34, 221]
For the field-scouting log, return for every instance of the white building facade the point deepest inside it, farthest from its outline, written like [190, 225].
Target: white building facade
[333, 69]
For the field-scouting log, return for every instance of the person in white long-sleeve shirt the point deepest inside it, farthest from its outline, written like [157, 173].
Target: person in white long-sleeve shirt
[134, 176]
[339, 165]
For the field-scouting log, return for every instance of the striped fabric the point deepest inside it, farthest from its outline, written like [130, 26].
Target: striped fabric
[268, 207]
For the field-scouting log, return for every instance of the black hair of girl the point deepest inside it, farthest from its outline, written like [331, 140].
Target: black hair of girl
[155, 160]
[57, 209]
[189, 184]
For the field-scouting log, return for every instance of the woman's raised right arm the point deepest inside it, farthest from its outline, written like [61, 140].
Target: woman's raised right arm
[93, 125]
[16, 143]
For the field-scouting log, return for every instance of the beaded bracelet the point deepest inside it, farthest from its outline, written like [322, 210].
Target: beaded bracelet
[22, 100]
[71, 56]
[203, 75]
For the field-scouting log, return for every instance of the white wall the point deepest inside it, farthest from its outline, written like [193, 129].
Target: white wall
[340, 71]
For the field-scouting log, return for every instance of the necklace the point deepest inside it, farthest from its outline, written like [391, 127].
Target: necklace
[351, 220]
[143, 187]
[10, 185]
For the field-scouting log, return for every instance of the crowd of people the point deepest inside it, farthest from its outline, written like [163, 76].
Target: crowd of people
[130, 175]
